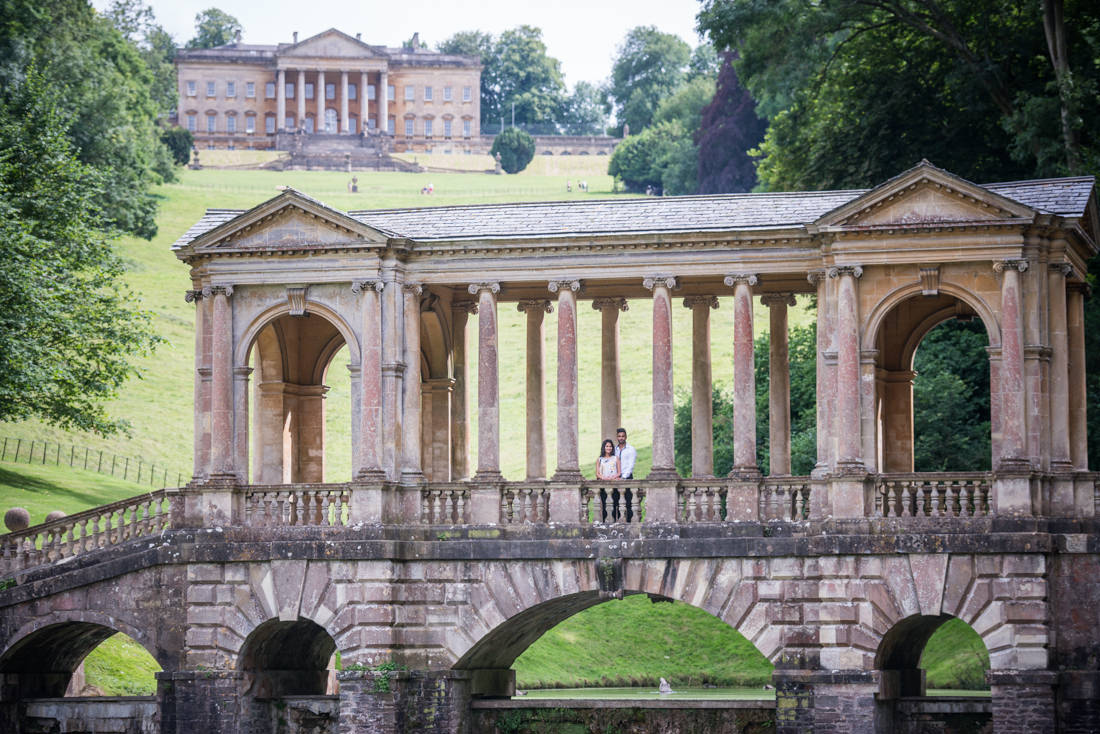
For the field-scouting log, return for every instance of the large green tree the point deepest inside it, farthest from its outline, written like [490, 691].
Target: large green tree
[68, 324]
[728, 130]
[583, 113]
[214, 27]
[649, 66]
[138, 24]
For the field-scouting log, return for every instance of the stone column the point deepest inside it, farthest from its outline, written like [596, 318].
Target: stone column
[744, 377]
[393, 370]
[610, 375]
[779, 384]
[300, 93]
[344, 122]
[1013, 416]
[1075, 326]
[411, 470]
[319, 90]
[369, 451]
[702, 405]
[896, 397]
[848, 419]
[823, 463]
[364, 103]
[568, 469]
[536, 392]
[1059, 369]
[280, 101]
[460, 410]
[240, 422]
[221, 409]
[383, 101]
[200, 454]
[488, 389]
[664, 463]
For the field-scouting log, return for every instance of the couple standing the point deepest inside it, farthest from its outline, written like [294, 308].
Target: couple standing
[616, 460]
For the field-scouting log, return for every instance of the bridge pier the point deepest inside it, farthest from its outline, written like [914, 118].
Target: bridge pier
[199, 701]
[825, 701]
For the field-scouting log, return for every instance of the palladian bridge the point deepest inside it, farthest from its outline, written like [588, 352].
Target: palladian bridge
[429, 573]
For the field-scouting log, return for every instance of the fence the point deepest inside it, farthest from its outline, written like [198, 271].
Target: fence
[49, 453]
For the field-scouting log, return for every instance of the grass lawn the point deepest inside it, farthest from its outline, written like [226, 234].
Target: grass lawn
[42, 489]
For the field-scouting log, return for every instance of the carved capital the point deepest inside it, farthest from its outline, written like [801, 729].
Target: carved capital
[703, 301]
[668, 281]
[558, 285]
[536, 304]
[599, 304]
[1064, 268]
[815, 276]
[1080, 287]
[217, 290]
[855, 271]
[476, 288]
[358, 286]
[1019, 264]
[413, 288]
[748, 279]
[242, 373]
[192, 295]
[930, 280]
[464, 306]
[777, 299]
[296, 297]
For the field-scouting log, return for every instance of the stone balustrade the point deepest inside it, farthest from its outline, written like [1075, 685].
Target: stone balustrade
[524, 503]
[445, 504]
[315, 505]
[613, 503]
[73, 535]
[955, 494]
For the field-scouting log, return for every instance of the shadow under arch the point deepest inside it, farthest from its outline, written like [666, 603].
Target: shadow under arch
[288, 658]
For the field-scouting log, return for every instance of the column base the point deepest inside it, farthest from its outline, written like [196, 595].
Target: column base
[662, 473]
[850, 468]
[412, 477]
[370, 475]
[746, 473]
[567, 476]
[488, 477]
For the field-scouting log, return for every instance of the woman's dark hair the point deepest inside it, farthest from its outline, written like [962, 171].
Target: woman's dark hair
[603, 445]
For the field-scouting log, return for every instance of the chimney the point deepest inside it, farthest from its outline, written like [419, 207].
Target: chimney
[295, 36]
[358, 36]
[416, 41]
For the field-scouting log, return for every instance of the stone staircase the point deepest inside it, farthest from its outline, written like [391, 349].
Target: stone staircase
[330, 152]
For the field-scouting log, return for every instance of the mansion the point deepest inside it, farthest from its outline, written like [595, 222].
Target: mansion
[255, 96]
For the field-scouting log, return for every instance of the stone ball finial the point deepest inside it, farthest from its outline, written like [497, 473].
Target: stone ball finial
[55, 515]
[17, 519]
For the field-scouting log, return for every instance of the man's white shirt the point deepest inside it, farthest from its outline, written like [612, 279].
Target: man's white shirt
[627, 456]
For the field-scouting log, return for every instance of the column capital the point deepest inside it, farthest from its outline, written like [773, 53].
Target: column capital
[1019, 264]
[733, 279]
[413, 288]
[192, 295]
[476, 288]
[242, 373]
[1065, 269]
[572, 284]
[1080, 287]
[838, 270]
[359, 286]
[777, 299]
[217, 290]
[815, 276]
[668, 281]
[599, 304]
[535, 304]
[704, 301]
[464, 306]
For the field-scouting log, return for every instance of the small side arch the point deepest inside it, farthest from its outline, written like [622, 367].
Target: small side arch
[873, 324]
[244, 344]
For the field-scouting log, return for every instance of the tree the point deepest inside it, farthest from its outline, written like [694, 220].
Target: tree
[649, 66]
[516, 149]
[137, 23]
[69, 324]
[661, 158]
[214, 27]
[179, 140]
[583, 113]
[728, 130]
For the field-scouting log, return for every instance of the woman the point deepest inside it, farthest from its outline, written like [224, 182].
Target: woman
[607, 466]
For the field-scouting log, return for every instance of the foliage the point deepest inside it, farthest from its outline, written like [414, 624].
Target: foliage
[516, 149]
[955, 657]
[686, 104]
[120, 666]
[637, 159]
[179, 140]
[649, 66]
[214, 27]
[69, 325]
[584, 112]
[704, 62]
[728, 131]
[137, 23]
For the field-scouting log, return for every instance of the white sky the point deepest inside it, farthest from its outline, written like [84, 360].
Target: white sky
[583, 35]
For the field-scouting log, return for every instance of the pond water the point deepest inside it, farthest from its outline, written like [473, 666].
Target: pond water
[651, 694]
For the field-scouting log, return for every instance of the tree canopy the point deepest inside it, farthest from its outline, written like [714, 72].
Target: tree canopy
[728, 130]
[649, 65]
[214, 27]
[515, 147]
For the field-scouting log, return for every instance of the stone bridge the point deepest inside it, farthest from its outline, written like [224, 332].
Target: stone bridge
[429, 579]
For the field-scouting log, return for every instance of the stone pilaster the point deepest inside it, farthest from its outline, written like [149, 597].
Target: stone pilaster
[345, 125]
[848, 421]
[201, 449]
[536, 386]
[744, 377]
[823, 373]
[488, 389]
[779, 384]
[280, 101]
[610, 374]
[221, 413]
[664, 463]
[460, 402]
[319, 96]
[364, 102]
[1012, 398]
[300, 94]
[240, 422]
[1059, 369]
[393, 369]
[369, 451]
[702, 406]
[411, 469]
[383, 102]
[568, 468]
[1076, 376]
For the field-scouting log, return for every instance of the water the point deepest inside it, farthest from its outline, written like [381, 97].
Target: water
[650, 694]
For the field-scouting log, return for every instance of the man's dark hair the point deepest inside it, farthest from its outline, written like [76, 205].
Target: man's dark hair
[620, 430]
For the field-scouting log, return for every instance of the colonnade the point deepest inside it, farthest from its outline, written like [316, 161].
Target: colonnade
[320, 99]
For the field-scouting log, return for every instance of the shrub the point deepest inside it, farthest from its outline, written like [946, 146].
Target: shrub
[516, 149]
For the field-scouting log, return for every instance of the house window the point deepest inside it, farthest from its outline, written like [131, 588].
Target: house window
[390, 124]
[467, 94]
[466, 125]
[192, 123]
[447, 94]
[269, 124]
[427, 128]
[309, 91]
[408, 128]
[330, 91]
[371, 123]
[446, 128]
[191, 89]
[352, 90]
[210, 92]
[250, 124]
[353, 124]
[290, 90]
[250, 90]
[211, 123]
[269, 90]
[410, 93]
[370, 91]
[427, 94]
[390, 93]
[290, 122]
[230, 124]
[231, 89]
[308, 125]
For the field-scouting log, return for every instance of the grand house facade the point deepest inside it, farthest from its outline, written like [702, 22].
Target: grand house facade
[251, 95]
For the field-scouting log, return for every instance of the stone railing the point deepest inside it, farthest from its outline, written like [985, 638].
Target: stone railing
[445, 504]
[703, 501]
[310, 505]
[955, 494]
[524, 503]
[614, 504]
[73, 535]
[785, 498]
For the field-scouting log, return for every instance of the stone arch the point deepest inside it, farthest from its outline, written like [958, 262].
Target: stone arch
[873, 323]
[288, 658]
[262, 320]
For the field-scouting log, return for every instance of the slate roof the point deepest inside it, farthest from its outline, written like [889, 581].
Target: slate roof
[1064, 197]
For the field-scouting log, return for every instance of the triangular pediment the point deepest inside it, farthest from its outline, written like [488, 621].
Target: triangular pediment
[289, 222]
[330, 43]
[925, 195]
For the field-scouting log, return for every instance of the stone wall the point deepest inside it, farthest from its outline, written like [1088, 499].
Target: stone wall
[106, 715]
[625, 717]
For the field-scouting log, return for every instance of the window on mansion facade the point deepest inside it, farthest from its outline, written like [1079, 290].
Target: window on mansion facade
[250, 90]
[410, 93]
[427, 128]
[330, 91]
[408, 128]
[309, 91]
[211, 91]
[352, 91]
[391, 126]
[427, 94]
[391, 93]
[447, 94]
[250, 124]
[290, 90]
[467, 94]
[192, 123]
[466, 128]
[269, 90]
[370, 91]
[192, 89]
[231, 123]
[211, 123]
[446, 128]
[269, 124]
[231, 89]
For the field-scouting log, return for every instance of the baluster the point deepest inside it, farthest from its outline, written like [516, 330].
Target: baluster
[956, 500]
[968, 499]
[424, 520]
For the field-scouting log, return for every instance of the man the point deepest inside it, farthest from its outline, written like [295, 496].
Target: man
[627, 455]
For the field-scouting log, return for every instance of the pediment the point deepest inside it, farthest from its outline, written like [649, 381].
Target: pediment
[925, 195]
[330, 43]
